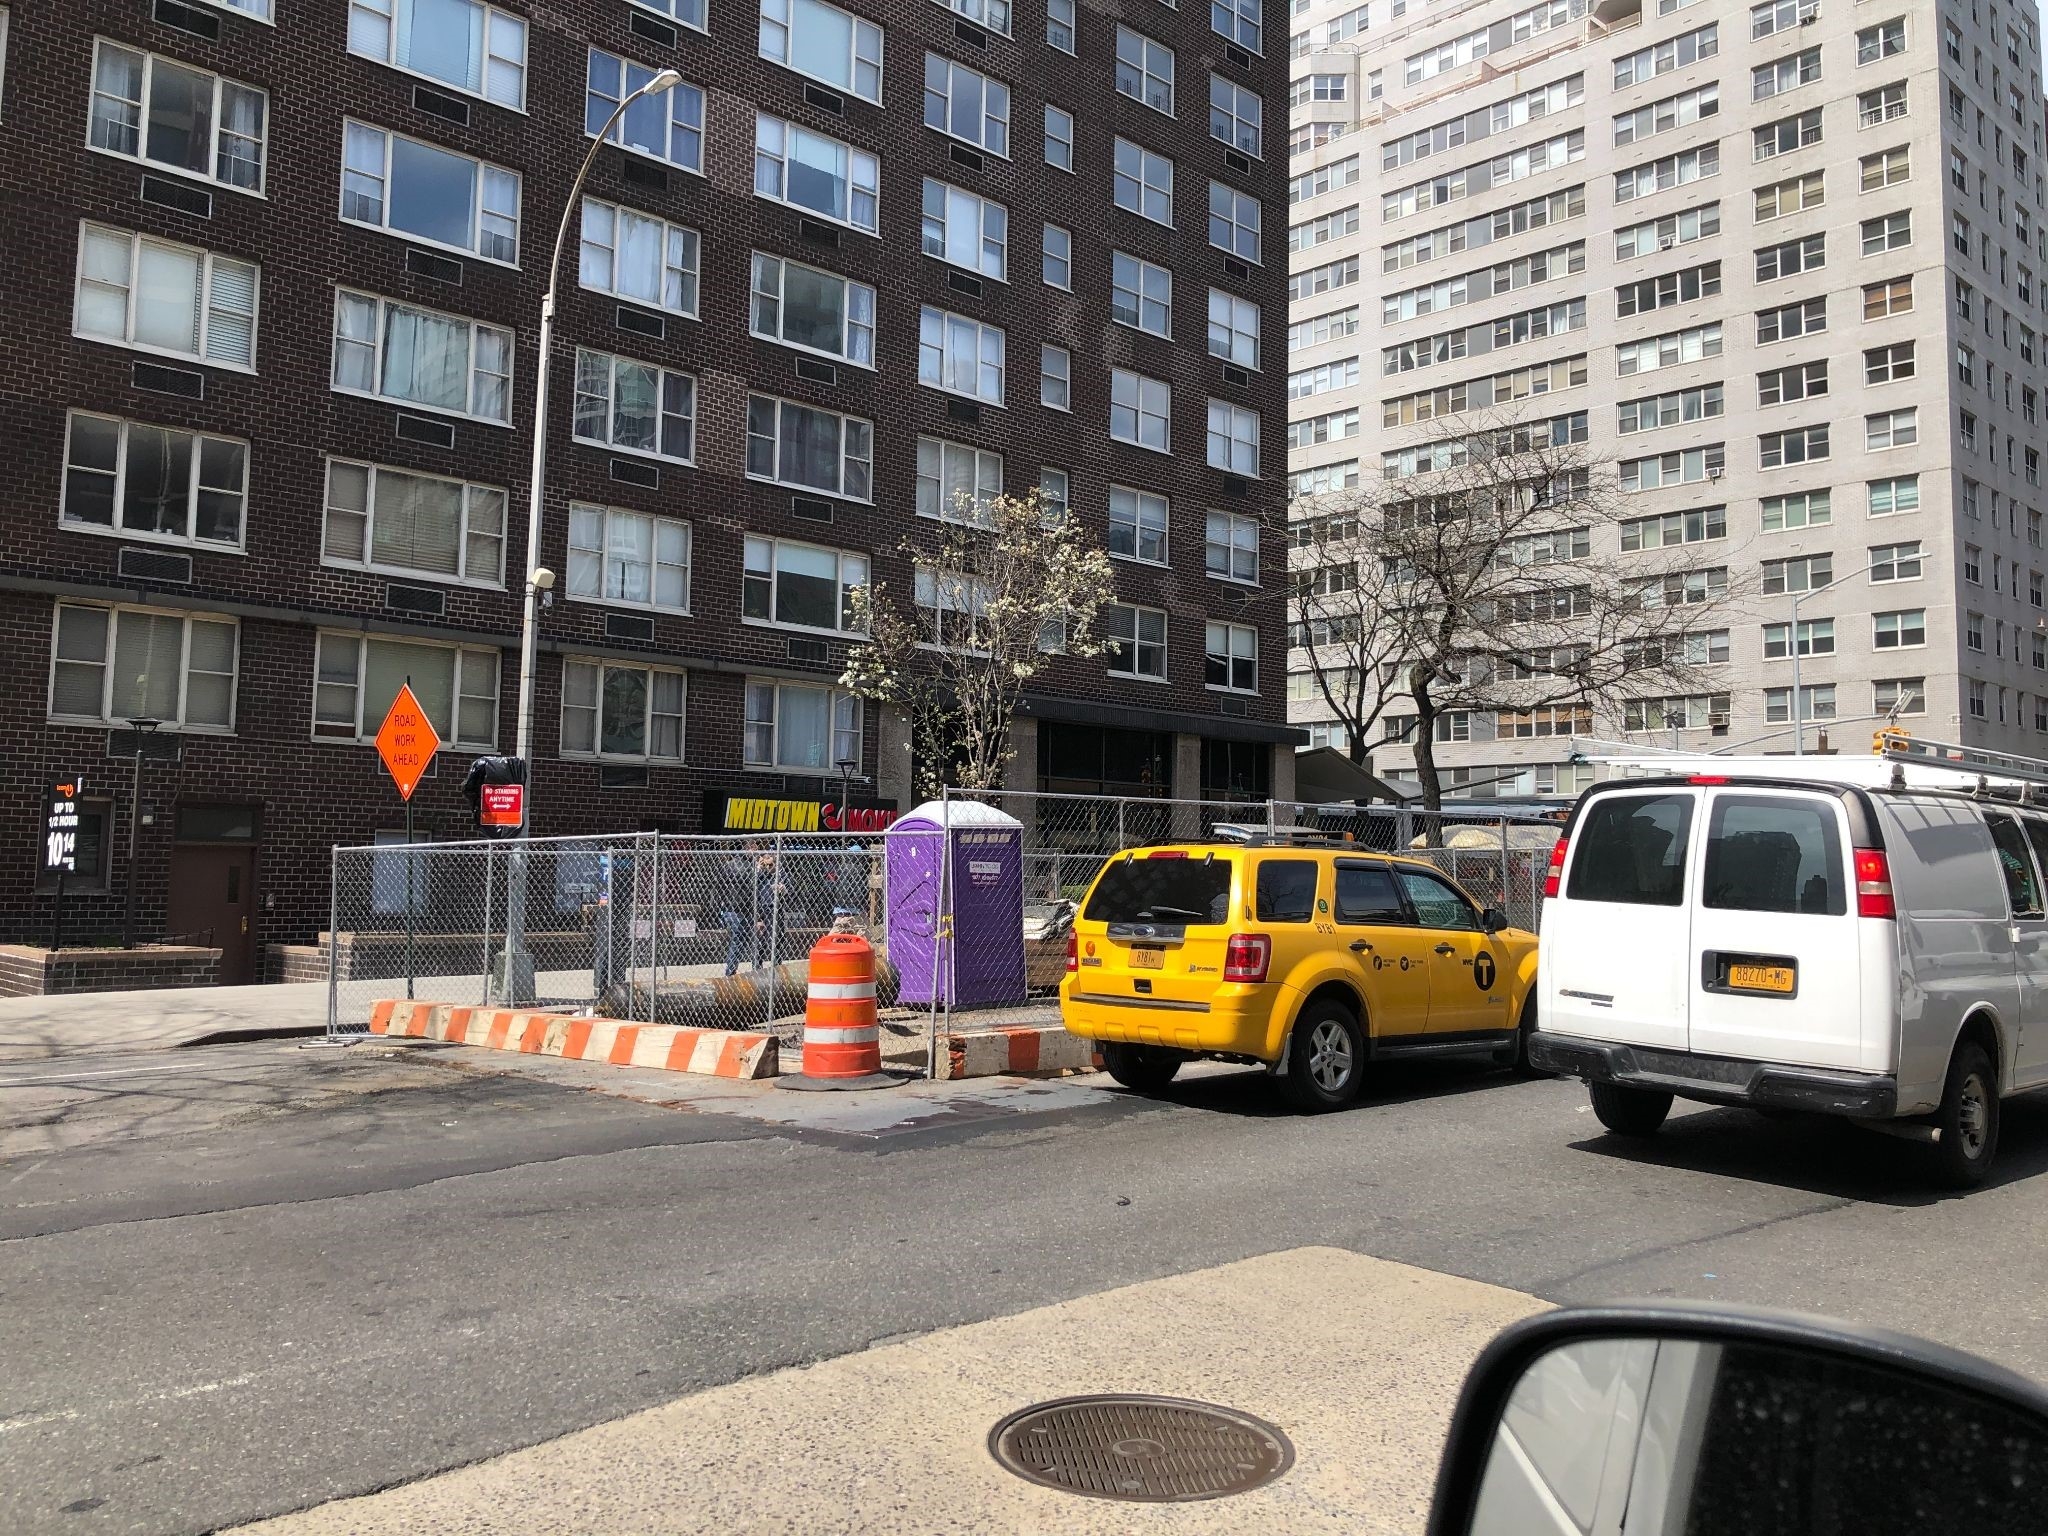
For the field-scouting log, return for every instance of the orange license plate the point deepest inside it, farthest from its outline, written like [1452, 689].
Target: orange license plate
[1762, 978]
[1148, 959]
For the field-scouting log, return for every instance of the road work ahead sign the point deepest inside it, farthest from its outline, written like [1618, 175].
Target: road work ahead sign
[407, 741]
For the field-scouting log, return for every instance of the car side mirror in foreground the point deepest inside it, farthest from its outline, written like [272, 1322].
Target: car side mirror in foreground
[1493, 919]
[1723, 1421]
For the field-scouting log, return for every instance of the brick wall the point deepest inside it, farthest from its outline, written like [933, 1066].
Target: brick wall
[28, 972]
[313, 794]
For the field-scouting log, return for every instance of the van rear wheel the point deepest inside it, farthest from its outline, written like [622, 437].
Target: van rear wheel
[1968, 1119]
[1325, 1058]
[1140, 1068]
[1629, 1111]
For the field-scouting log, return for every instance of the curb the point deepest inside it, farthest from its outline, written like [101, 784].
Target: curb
[663, 1047]
[1040, 1052]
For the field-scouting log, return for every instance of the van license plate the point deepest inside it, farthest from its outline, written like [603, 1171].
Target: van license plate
[1762, 978]
[1148, 959]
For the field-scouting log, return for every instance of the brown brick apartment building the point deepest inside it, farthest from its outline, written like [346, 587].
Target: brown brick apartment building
[272, 274]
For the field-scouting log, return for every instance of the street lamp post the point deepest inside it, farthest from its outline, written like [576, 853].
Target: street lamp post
[516, 980]
[1792, 642]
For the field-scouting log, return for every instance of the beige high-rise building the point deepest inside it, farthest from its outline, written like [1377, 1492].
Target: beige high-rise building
[1787, 264]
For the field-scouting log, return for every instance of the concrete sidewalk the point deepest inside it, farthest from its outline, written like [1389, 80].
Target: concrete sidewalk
[90, 1023]
[1357, 1360]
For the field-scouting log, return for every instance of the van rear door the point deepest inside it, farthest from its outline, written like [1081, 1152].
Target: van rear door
[1614, 957]
[1777, 958]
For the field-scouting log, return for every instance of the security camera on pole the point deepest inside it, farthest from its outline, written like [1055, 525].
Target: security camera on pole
[512, 973]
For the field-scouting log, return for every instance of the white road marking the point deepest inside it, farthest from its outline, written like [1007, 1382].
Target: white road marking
[75, 1077]
[30, 1420]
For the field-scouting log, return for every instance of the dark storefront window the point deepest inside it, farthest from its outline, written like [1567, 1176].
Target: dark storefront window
[1096, 760]
[1236, 770]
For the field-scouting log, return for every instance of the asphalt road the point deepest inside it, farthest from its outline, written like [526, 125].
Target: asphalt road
[242, 1281]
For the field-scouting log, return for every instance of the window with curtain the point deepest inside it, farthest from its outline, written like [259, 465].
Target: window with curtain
[357, 676]
[113, 665]
[630, 559]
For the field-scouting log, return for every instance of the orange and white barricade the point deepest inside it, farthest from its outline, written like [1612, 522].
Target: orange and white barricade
[842, 1040]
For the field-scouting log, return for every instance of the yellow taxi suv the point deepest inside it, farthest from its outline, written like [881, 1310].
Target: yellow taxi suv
[1311, 960]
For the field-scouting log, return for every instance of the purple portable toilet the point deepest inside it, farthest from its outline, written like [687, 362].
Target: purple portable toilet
[983, 898]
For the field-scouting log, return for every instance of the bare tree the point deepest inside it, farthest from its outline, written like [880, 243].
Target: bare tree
[999, 589]
[1478, 572]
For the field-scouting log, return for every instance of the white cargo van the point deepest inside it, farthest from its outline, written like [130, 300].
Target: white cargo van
[1764, 933]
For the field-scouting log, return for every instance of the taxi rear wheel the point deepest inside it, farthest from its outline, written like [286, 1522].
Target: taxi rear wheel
[1325, 1058]
[1140, 1068]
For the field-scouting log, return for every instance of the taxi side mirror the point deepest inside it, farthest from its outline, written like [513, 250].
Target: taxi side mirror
[1493, 920]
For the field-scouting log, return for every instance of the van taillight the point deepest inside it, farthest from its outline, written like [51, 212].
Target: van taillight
[1874, 884]
[1556, 874]
[1073, 954]
[1246, 956]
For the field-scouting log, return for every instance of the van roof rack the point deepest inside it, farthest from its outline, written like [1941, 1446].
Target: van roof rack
[2010, 768]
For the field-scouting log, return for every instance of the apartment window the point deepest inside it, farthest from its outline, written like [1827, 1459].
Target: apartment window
[1668, 351]
[1137, 525]
[1901, 493]
[145, 482]
[635, 407]
[1674, 589]
[1966, 429]
[956, 482]
[1888, 364]
[1233, 221]
[1804, 509]
[1887, 232]
[1786, 74]
[801, 446]
[1056, 258]
[960, 355]
[1959, 237]
[1812, 637]
[1668, 288]
[1237, 21]
[1977, 693]
[112, 665]
[473, 47]
[1319, 87]
[1684, 467]
[1891, 429]
[1899, 695]
[952, 610]
[1236, 116]
[1663, 116]
[1786, 135]
[1673, 528]
[628, 558]
[1323, 228]
[1140, 410]
[803, 729]
[1885, 40]
[1231, 657]
[1662, 58]
[1801, 445]
[1140, 294]
[1775, 16]
[1791, 257]
[1886, 168]
[1815, 703]
[384, 519]
[392, 351]
[356, 678]
[1792, 196]
[1806, 318]
[1893, 296]
[816, 173]
[638, 257]
[1135, 641]
[1671, 171]
[1234, 330]
[405, 187]
[1059, 138]
[1896, 562]
[1973, 565]
[1881, 105]
[801, 586]
[812, 310]
[1055, 377]
[966, 230]
[1801, 381]
[1669, 410]
[1143, 182]
[1230, 549]
[1059, 24]
[825, 43]
[1973, 634]
[614, 711]
[1144, 70]
[689, 12]
[668, 125]
[152, 109]
[1233, 438]
[1799, 573]
[966, 104]
[154, 296]
[1332, 325]
[1053, 495]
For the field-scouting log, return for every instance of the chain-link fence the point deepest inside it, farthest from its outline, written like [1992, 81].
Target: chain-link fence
[715, 932]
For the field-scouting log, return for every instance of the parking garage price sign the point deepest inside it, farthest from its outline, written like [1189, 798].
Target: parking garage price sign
[60, 843]
[407, 741]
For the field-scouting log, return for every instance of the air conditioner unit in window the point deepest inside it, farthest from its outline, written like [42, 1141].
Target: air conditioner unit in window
[1666, 242]
[1809, 19]
[1714, 473]
[1718, 724]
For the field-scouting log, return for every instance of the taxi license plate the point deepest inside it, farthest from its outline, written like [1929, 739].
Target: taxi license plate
[1148, 959]
[1762, 978]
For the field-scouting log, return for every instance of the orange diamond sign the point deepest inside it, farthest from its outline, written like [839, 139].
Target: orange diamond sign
[407, 741]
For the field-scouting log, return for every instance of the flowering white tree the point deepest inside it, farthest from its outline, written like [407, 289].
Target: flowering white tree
[999, 589]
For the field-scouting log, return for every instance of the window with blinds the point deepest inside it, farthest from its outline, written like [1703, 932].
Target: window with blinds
[113, 665]
[379, 518]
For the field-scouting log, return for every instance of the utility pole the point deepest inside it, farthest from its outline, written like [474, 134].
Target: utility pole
[132, 894]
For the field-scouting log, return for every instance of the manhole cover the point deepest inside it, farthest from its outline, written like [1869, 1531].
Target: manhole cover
[1160, 1450]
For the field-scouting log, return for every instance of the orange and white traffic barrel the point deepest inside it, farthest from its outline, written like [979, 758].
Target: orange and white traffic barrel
[842, 1040]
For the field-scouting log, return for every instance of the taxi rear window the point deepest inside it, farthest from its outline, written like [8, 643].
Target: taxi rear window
[1142, 890]
[1287, 890]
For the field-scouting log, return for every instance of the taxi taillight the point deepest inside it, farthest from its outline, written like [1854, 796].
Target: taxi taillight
[1073, 953]
[1874, 884]
[1246, 956]
[1555, 876]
